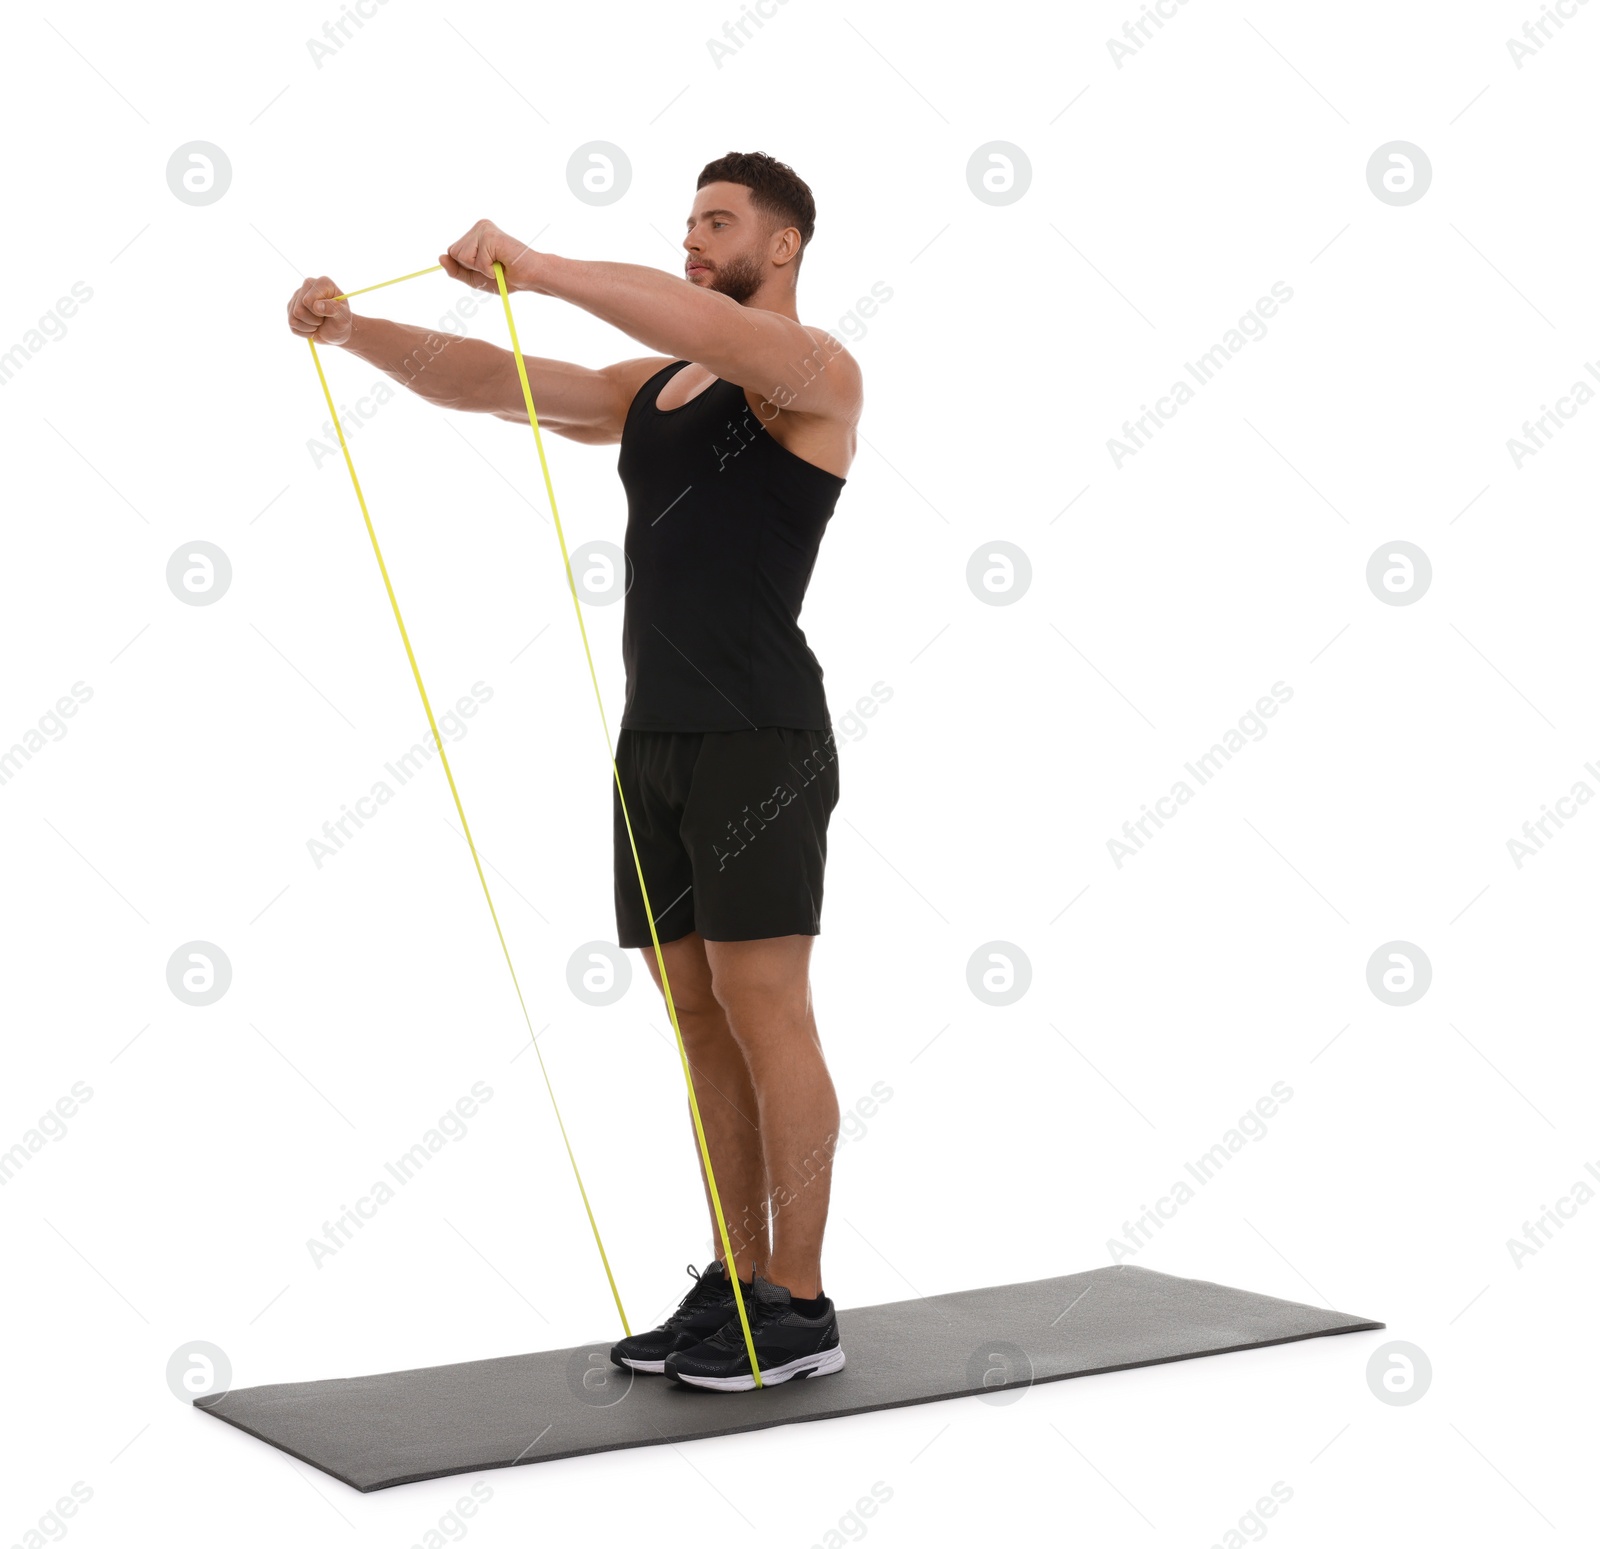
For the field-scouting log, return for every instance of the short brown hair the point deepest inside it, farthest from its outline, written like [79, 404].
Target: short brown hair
[776, 189]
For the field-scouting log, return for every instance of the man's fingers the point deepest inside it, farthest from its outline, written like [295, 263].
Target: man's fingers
[313, 304]
[311, 293]
[467, 263]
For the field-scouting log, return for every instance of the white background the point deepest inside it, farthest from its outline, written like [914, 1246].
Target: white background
[1167, 597]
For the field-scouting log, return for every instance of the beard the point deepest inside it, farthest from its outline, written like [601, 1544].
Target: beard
[739, 279]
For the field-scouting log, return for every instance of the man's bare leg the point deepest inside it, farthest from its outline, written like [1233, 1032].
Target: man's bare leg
[764, 990]
[728, 1110]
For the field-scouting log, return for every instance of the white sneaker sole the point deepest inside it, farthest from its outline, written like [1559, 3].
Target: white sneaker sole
[645, 1366]
[807, 1366]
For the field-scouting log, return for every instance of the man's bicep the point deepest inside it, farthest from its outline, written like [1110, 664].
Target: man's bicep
[582, 403]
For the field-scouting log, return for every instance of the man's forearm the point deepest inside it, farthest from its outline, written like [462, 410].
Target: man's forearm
[453, 372]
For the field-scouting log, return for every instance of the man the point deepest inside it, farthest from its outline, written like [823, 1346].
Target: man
[736, 439]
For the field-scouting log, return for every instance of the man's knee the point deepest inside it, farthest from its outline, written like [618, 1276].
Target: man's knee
[757, 1000]
[689, 978]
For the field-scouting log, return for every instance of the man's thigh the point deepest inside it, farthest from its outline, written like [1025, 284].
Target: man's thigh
[656, 770]
[756, 827]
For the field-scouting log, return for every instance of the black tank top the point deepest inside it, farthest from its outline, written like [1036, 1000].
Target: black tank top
[723, 529]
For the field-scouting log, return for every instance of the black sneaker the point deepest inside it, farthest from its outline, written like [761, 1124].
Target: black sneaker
[703, 1311]
[788, 1344]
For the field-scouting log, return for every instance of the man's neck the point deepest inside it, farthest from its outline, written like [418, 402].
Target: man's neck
[779, 299]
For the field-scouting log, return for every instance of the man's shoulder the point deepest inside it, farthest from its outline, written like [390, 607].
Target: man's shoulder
[843, 371]
[833, 346]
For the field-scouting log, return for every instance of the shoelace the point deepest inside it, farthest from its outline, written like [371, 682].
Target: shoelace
[700, 1294]
[731, 1337]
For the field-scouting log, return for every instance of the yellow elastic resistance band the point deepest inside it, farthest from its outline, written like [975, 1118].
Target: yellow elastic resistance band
[666, 987]
[381, 283]
[461, 813]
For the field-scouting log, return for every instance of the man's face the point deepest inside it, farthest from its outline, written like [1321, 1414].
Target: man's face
[726, 242]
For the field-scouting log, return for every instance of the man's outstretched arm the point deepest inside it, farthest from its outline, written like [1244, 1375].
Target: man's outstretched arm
[470, 375]
[758, 349]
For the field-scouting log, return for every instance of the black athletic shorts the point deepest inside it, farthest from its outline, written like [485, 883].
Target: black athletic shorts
[731, 828]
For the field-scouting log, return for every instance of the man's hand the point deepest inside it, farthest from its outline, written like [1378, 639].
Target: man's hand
[312, 311]
[471, 259]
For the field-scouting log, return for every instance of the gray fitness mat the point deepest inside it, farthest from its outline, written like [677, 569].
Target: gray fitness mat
[399, 1427]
